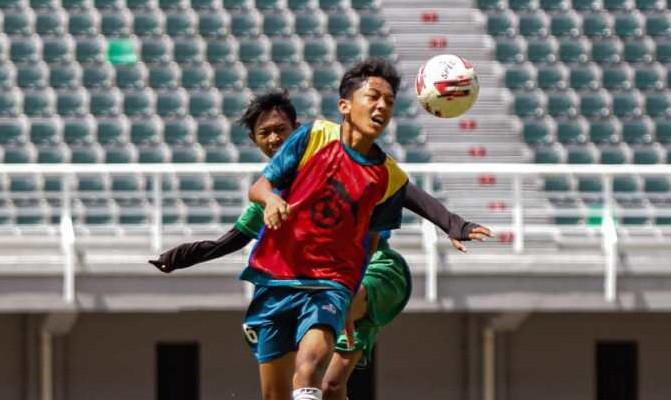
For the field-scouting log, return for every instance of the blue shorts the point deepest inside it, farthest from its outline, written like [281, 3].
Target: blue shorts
[278, 317]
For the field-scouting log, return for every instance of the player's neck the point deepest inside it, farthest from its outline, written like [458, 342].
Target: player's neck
[353, 138]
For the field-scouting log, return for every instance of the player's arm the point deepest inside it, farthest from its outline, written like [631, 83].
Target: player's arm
[276, 210]
[188, 254]
[427, 207]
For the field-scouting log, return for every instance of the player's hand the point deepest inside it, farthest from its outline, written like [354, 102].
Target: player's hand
[480, 233]
[277, 211]
[161, 266]
[349, 331]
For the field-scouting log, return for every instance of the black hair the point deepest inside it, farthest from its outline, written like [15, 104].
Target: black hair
[355, 77]
[276, 99]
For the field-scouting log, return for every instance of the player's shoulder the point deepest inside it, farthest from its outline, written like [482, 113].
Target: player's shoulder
[326, 129]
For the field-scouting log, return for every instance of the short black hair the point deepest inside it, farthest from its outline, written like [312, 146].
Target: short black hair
[276, 99]
[355, 77]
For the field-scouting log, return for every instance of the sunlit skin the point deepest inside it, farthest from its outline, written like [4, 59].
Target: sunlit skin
[271, 130]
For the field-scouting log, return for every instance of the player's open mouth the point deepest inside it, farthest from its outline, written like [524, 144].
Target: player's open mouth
[377, 120]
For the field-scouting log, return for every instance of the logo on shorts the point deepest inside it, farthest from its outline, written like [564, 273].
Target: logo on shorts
[330, 308]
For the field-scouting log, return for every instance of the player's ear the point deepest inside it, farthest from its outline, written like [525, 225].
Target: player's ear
[344, 106]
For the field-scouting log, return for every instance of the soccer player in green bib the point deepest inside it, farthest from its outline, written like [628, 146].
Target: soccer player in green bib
[386, 285]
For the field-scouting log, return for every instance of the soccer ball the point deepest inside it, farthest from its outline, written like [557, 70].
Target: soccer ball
[447, 85]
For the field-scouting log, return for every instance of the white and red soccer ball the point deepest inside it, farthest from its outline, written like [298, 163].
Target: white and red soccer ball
[447, 86]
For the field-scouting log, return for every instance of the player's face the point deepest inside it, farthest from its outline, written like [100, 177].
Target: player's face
[371, 107]
[271, 130]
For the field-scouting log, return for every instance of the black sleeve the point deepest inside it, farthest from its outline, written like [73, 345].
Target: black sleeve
[427, 207]
[188, 254]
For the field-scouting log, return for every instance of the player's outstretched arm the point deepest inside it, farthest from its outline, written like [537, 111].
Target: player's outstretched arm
[188, 254]
[427, 207]
[276, 210]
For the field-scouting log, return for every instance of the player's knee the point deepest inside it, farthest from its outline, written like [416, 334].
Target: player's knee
[311, 369]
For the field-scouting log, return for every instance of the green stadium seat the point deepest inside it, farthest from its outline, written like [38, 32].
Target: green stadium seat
[98, 212]
[658, 104]
[113, 130]
[329, 106]
[139, 102]
[230, 76]
[201, 211]
[327, 77]
[213, 23]
[637, 131]
[650, 77]
[7, 75]
[14, 130]
[270, 5]
[409, 132]
[639, 50]
[618, 76]
[109, 4]
[521, 76]
[530, 104]
[140, 5]
[194, 183]
[221, 154]
[628, 104]
[631, 24]
[145, 131]
[43, 131]
[237, 5]
[319, 50]
[106, 102]
[656, 184]
[382, 47]
[4, 47]
[192, 153]
[286, 49]
[20, 154]
[523, 5]
[212, 131]
[39, 103]
[418, 154]
[557, 183]
[204, 103]
[663, 51]
[239, 134]
[562, 103]
[300, 5]
[618, 5]
[310, 23]
[11, 102]
[296, 76]
[658, 25]
[77, 4]
[91, 49]
[25, 49]
[372, 24]
[587, 5]
[32, 76]
[306, 103]
[120, 154]
[262, 77]
[278, 23]
[552, 76]
[83, 23]
[533, 24]
[96, 76]
[595, 104]
[125, 186]
[574, 50]
[156, 49]
[13, 4]
[86, 154]
[131, 76]
[351, 50]
[189, 50]
[405, 105]
[246, 23]
[53, 154]
[179, 130]
[607, 130]
[334, 5]
[663, 131]
[65, 76]
[254, 50]
[197, 76]
[19, 22]
[502, 23]
[58, 49]
[542, 50]
[41, 4]
[651, 5]
[491, 4]
[598, 24]
[581, 154]
[538, 131]
[572, 130]
[31, 212]
[118, 23]
[164, 76]
[649, 154]
[627, 184]
[590, 184]
[73, 102]
[234, 103]
[615, 154]
[174, 5]
[342, 23]
[586, 77]
[153, 153]
[79, 130]
[222, 50]
[172, 103]
[50, 22]
[566, 24]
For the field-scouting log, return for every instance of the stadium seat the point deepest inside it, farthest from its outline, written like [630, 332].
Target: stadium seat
[127, 185]
[192, 153]
[154, 153]
[382, 47]
[189, 50]
[658, 24]
[572, 130]
[213, 23]
[262, 77]
[91, 49]
[239, 134]
[491, 4]
[574, 50]
[222, 50]
[651, 5]
[120, 23]
[523, 5]
[530, 104]
[296, 76]
[587, 5]
[615, 154]
[502, 23]
[319, 50]
[84, 23]
[582, 154]
[618, 5]
[164, 76]
[250, 154]
[50, 22]
[76, 4]
[172, 103]
[255, 50]
[607, 50]
[53, 154]
[73, 102]
[656, 184]
[32, 76]
[80, 130]
[351, 50]
[405, 105]
[649, 154]
[307, 103]
[58, 49]
[637, 131]
[278, 23]
[521, 76]
[11, 102]
[595, 104]
[630, 24]
[618, 77]
[230, 76]
[590, 184]
[538, 131]
[113, 130]
[131, 76]
[197, 76]
[310, 23]
[238, 4]
[628, 104]
[120, 154]
[627, 184]
[86, 154]
[145, 131]
[270, 5]
[585, 77]
[179, 130]
[156, 49]
[510, 50]
[542, 50]
[329, 106]
[38, 4]
[204, 103]
[300, 5]
[25, 49]
[650, 77]
[43, 131]
[557, 183]
[286, 50]
[212, 131]
[139, 102]
[20, 154]
[174, 5]
[19, 22]
[663, 51]
[663, 131]
[658, 104]
[248, 23]
[606, 130]
[234, 103]
[533, 24]
[7, 75]
[639, 50]
[97, 76]
[598, 24]
[552, 76]
[566, 24]
[109, 4]
[141, 5]
[414, 154]
[13, 4]
[372, 24]
[562, 103]
[14, 130]
[409, 132]
[39, 103]
[106, 102]
[65, 76]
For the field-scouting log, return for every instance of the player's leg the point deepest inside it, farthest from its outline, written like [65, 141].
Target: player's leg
[314, 353]
[334, 385]
[276, 376]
